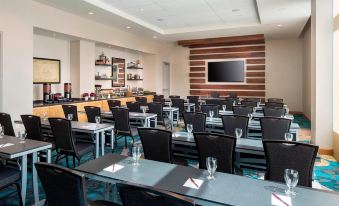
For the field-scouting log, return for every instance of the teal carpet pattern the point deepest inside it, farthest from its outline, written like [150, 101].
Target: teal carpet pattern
[326, 172]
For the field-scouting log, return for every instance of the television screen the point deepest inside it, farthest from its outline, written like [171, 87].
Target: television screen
[227, 71]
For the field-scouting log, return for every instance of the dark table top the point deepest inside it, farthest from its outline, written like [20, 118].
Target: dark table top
[225, 189]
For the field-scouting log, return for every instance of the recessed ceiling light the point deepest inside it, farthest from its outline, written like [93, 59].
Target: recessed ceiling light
[279, 25]
[155, 37]
[235, 10]
[142, 9]
[90, 13]
[128, 27]
[160, 19]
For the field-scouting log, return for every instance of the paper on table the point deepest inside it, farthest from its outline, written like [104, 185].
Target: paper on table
[6, 145]
[283, 201]
[114, 168]
[189, 183]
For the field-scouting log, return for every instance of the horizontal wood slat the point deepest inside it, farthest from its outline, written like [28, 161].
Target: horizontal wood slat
[255, 74]
[197, 63]
[197, 74]
[197, 69]
[226, 87]
[121, 71]
[255, 80]
[255, 61]
[228, 55]
[225, 93]
[228, 50]
[197, 80]
[256, 67]
[121, 75]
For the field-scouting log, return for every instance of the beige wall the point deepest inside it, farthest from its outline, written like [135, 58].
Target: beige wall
[307, 71]
[284, 66]
[180, 71]
[336, 80]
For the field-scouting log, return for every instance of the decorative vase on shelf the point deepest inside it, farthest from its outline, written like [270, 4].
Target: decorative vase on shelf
[86, 98]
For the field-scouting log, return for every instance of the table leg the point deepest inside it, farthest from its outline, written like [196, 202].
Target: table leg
[24, 178]
[102, 143]
[155, 122]
[35, 178]
[112, 139]
[193, 108]
[145, 122]
[96, 145]
[171, 117]
[49, 156]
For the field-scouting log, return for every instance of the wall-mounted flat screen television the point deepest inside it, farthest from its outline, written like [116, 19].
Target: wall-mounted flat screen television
[226, 71]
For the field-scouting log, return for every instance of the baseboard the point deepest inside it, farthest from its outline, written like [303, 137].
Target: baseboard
[325, 151]
[296, 112]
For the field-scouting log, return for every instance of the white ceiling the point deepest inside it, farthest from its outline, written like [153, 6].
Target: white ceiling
[173, 20]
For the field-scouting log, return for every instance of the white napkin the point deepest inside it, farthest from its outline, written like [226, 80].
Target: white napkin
[6, 145]
[112, 169]
[286, 200]
[190, 184]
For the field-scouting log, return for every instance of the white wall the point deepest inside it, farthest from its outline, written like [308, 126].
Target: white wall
[180, 71]
[307, 71]
[52, 48]
[284, 71]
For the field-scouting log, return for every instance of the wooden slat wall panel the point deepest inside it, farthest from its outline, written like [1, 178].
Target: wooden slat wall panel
[251, 48]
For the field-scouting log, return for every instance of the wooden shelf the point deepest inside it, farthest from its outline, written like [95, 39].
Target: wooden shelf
[134, 79]
[104, 78]
[107, 65]
[134, 68]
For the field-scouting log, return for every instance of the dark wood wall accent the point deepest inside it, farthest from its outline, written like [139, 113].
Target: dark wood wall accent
[250, 48]
[120, 63]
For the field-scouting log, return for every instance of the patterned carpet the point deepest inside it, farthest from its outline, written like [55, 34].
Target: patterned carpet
[326, 171]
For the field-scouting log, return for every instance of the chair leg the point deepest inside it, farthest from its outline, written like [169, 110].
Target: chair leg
[56, 159]
[125, 141]
[18, 189]
[67, 161]
[73, 162]
[78, 161]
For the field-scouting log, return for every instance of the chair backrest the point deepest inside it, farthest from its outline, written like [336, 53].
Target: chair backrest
[62, 186]
[174, 96]
[32, 126]
[194, 99]
[156, 108]
[62, 132]
[213, 101]
[133, 106]
[6, 122]
[281, 155]
[242, 110]
[121, 116]
[159, 100]
[157, 144]
[206, 108]
[277, 100]
[236, 100]
[252, 99]
[136, 195]
[92, 112]
[273, 112]
[233, 94]
[231, 122]
[274, 127]
[179, 103]
[219, 146]
[159, 96]
[142, 100]
[274, 104]
[215, 94]
[229, 104]
[249, 103]
[198, 120]
[113, 103]
[70, 109]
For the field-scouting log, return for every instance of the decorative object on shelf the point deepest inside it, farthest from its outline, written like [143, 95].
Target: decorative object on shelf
[92, 96]
[136, 76]
[134, 65]
[103, 60]
[85, 96]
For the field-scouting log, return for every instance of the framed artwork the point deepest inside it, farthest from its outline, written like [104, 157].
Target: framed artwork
[46, 71]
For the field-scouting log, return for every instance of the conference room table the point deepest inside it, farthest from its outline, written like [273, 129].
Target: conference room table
[254, 114]
[189, 107]
[12, 147]
[171, 112]
[225, 189]
[145, 118]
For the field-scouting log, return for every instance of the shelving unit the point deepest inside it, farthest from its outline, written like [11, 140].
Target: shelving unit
[135, 79]
[134, 68]
[109, 74]
[104, 78]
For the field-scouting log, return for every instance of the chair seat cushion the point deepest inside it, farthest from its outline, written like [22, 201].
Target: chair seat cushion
[83, 148]
[101, 203]
[8, 175]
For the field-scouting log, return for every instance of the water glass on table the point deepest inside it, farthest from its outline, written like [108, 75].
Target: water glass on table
[170, 104]
[22, 136]
[189, 128]
[211, 165]
[144, 110]
[97, 119]
[288, 136]
[291, 179]
[238, 132]
[2, 131]
[136, 153]
[224, 108]
[211, 113]
[70, 117]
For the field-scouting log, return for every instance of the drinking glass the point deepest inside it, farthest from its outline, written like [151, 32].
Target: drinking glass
[238, 132]
[223, 107]
[70, 117]
[170, 104]
[22, 136]
[45, 116]
[287, 110]
[189, 129]
[291, 179]
[250, 116]
[211, 165]
[211, 114]
[288, 136]
[97, 119]
[2, 131]
[144, 110]
[136, 153]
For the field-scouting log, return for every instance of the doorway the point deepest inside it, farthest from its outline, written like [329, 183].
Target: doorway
[166, 85]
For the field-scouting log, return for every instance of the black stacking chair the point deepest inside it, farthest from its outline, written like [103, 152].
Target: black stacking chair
[157, 108]
[179, 103]
[213, 101]
[92, 112]
[141, 100]
[136, 195]
[281, 155]
[159, 100]
[274, 127]
[198, 120]
[252, 99]
[64, 186]
[133, 106]
[206, 108]
[215, 94]
[174, 97]
[274, 104]
[242, 110]
[122, 126]
[229, 104]
[233, 95]
[249, 103]
[220, 146]
[65, 144]
[158, 96]
[231, 122]
[277, 100]
[6, 122]
[70, 109]
[113, 103]
[195, 100]
[9, 176]
[274, 112]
